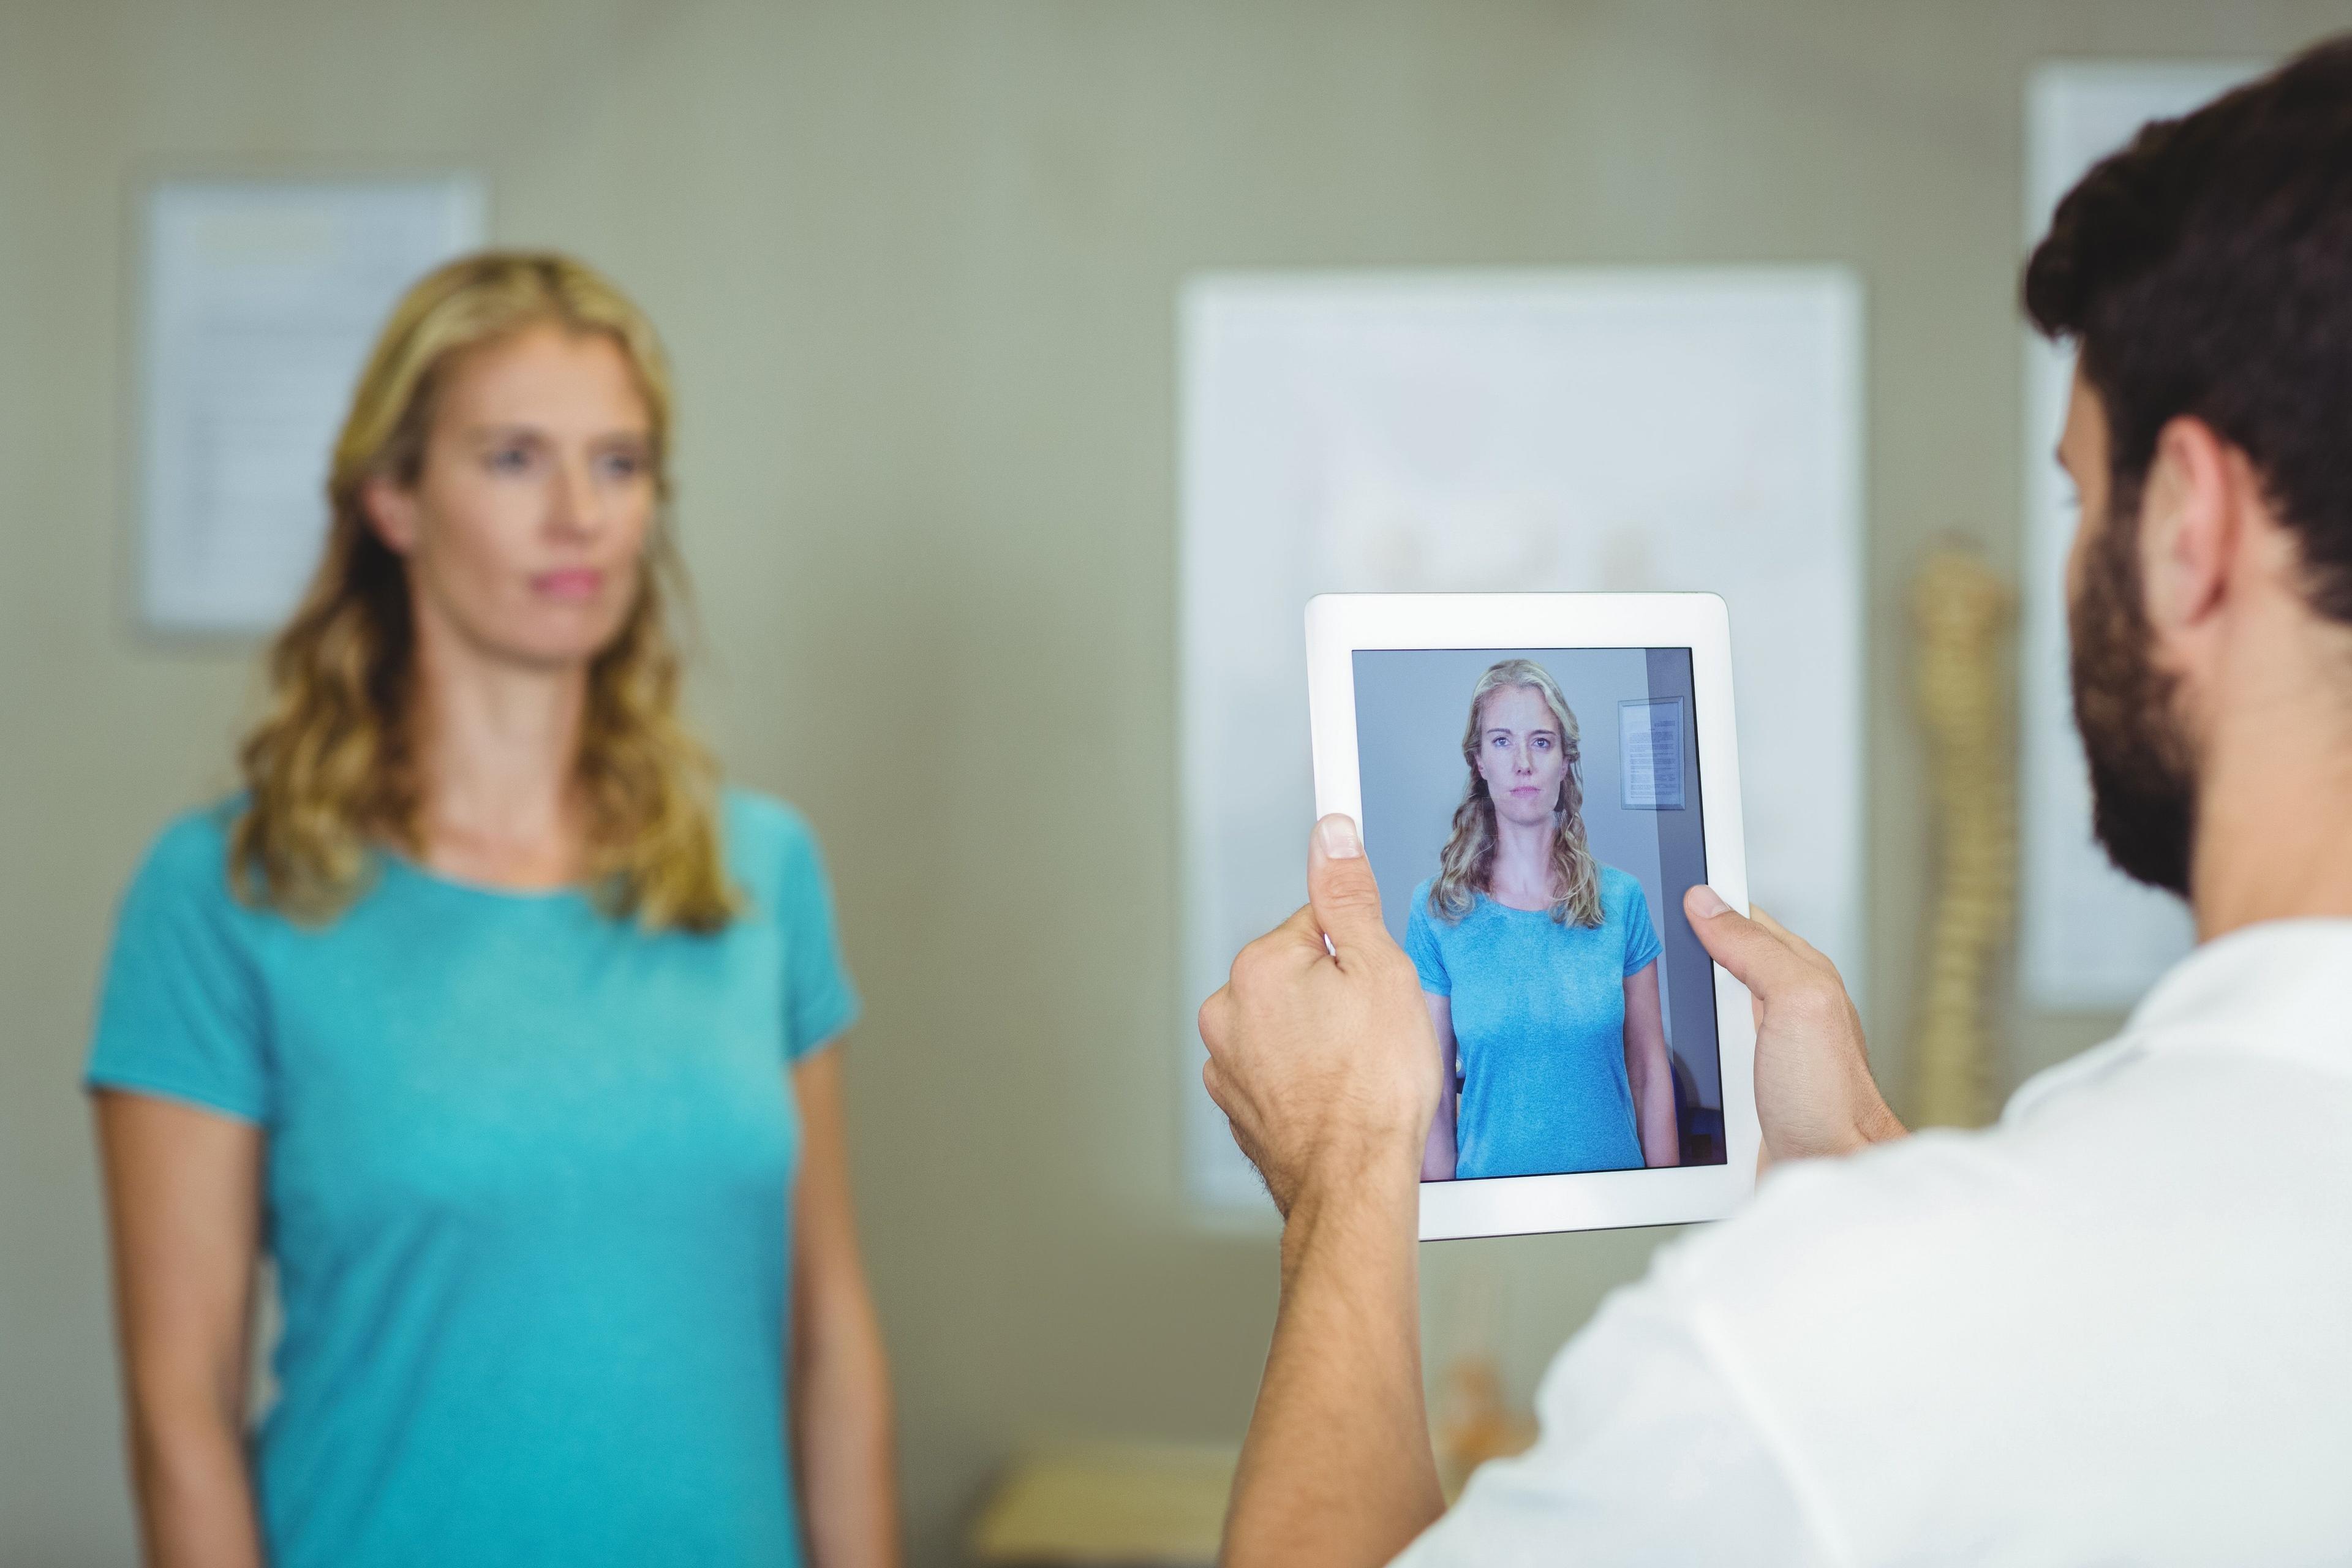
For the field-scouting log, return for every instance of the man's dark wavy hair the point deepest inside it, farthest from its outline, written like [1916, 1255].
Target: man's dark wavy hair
[2206, 270]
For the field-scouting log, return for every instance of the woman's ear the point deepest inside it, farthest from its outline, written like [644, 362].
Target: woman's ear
[390, 511]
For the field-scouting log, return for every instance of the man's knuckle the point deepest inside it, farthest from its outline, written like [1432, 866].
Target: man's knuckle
[1816, 1006]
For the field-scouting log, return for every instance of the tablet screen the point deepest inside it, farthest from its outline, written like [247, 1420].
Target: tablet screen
[1534, 817]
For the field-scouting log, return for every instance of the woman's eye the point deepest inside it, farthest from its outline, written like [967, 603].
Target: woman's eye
[510, 459]
[623, 466]
[1543, 743]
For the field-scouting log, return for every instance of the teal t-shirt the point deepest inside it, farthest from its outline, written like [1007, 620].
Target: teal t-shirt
[1539, 1022]
[527, 1194]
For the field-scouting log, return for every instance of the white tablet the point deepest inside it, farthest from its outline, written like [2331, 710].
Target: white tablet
[1538, 778]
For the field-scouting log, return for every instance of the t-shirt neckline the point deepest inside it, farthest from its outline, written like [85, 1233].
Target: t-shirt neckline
[521, 896]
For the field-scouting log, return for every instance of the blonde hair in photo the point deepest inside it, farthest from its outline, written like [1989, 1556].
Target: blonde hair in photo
[1468, 862]
[329, 771]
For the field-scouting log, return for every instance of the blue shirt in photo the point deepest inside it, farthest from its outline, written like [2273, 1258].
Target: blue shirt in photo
[528, 1191]
[1539, 1022]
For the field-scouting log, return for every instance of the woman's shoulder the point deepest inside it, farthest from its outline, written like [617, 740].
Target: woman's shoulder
[189, 857]
[1620, 887]
[182, 883]
[763, 836]
[1417, 912]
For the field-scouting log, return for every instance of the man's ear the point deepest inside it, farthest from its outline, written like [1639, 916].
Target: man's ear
[2192, 512]
[390, 511]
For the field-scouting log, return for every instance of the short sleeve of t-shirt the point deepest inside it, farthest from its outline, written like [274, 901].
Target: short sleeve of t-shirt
[820, 1002]
[1421, 946]
[179, 1012]
[1642, 945]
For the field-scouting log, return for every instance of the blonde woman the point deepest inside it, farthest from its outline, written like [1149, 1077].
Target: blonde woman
[496, 1025]
[1539, 964]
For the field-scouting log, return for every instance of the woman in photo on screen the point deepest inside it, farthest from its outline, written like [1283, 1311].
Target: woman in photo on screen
[504, 1031]
[1539, 963]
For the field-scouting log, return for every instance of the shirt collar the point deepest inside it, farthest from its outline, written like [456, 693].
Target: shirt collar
[2280, 988]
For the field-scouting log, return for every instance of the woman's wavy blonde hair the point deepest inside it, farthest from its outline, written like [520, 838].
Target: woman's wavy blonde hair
[1468, 862]
[331, 771]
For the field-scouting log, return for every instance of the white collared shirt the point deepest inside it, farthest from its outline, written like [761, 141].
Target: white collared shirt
[2115, 1328]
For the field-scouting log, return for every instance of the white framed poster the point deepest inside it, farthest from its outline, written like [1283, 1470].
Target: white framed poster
[1649, 753]
[2090, 937]
[259, 298]
[1586, 429]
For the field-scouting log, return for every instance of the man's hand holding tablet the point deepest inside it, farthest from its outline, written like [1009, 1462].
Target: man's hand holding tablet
[1814, 1094]
[1314, 1055]
[1318, 1047]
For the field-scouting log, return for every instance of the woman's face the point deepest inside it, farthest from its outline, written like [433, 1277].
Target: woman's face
[1519, 755]
[524, 531]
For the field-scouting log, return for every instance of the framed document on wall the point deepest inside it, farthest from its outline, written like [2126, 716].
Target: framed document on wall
[1650, 751]
[259, 301]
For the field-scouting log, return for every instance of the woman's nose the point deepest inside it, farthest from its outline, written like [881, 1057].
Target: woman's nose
[571, 503]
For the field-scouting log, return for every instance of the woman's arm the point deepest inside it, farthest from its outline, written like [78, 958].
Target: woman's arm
[1437, 1160]
[843, 1450]
[183, 1206]
[1648, 1070]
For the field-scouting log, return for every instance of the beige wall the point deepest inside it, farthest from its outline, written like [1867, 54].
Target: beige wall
[917, 263]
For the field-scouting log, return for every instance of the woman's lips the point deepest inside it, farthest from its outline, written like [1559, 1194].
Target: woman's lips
[1523, 789]
[571, 583]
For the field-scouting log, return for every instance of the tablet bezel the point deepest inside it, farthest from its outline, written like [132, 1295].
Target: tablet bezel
[1338, 626]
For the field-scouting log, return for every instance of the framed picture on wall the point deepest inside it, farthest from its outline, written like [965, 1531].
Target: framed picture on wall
[259, 301]
[1651, 748]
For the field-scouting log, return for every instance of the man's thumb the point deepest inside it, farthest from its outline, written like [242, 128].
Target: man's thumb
[1340, 884]
[1755, 957]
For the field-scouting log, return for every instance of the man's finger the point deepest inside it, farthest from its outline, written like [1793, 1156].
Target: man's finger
[1213, 1078]
[1342, 892]
[1755, 958]
[1214, 1015]
[1282, 950]
[1303, 925]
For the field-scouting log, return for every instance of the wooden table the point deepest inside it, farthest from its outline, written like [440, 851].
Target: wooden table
[1107, 1505]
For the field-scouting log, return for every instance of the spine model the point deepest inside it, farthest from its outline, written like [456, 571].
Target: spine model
[1963, 613]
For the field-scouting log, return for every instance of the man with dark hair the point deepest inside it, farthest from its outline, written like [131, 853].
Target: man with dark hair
[2114, 1327]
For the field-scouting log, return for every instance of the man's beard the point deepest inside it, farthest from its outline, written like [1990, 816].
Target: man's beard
[2143, 785]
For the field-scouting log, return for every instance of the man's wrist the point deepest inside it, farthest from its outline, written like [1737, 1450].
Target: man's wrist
[1369, 1189]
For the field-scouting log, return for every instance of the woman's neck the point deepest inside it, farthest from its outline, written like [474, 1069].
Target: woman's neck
[497, 745]
[1522, 874]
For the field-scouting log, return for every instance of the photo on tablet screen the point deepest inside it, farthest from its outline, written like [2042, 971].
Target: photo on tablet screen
[1534, 818]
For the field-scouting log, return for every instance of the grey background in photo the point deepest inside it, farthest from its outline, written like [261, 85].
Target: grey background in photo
[1412, 705]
